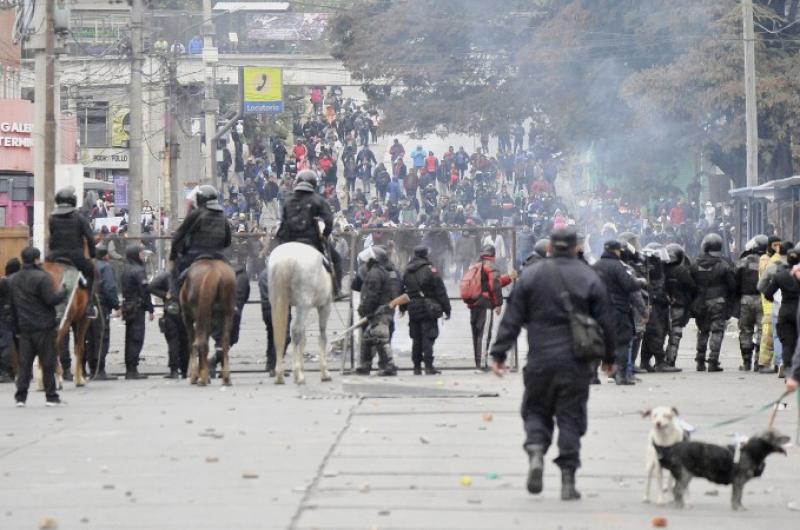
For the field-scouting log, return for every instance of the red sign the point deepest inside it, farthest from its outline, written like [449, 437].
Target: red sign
[16, 135]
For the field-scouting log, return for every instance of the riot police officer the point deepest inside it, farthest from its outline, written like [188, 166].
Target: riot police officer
[299, 219]
[69, 233]
[657, 324]
[680, 288]
[429, 301]
[204, 232]
[750, 307]
[716, 285]
[136, 302]
[381, 285]
[171, 325]
[539, 252]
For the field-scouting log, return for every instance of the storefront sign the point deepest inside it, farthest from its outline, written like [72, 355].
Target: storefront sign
[263, 89]
[104, 158]
[120, 191]
[16, 135]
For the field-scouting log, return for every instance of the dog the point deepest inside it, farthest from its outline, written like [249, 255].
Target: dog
[666, 431]
[731, 464]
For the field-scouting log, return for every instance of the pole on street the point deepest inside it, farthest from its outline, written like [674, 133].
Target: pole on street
[210, 104]
[135, 142]
[751, 105]
[45, 124]
[171, 184]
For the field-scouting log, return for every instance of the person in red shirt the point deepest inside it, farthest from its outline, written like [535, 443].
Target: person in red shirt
[431, 163]
[300, 151]
[491, 300]
[676, 215]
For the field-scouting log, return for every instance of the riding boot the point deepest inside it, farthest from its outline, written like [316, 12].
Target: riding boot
[700, 359]
[568, 491]
[535, 481]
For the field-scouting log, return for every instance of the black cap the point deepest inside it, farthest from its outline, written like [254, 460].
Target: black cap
[564, 239]
[421, 251]
[612, 245]
[30, 255]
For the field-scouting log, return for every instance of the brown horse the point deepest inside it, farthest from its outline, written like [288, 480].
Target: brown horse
[208, 295]
[76, 320]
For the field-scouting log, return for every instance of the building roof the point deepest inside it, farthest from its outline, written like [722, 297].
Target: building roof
[769, 190]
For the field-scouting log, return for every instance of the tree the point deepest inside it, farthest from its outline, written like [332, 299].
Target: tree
[647, 85]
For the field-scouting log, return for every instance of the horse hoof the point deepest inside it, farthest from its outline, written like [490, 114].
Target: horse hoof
[226, 382]
[279, 381]
[80, 383]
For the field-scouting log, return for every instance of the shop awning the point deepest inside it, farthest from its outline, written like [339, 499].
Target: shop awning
[770, 191]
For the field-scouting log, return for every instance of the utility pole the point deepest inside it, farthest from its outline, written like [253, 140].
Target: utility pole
[45, 124]
[210, 104]
[751, 105]
[135, 141]
[171, 184]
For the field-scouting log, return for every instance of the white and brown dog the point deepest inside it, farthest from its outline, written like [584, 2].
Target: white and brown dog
[666, 431]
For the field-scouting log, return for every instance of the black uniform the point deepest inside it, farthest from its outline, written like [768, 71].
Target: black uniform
[680, 288]
[99, 333]
[171, 325]
[266, 316]
[556, 383]
[716, 285]
[619, 284]
[658, 324]
[299, 223]
[68, 234]
[136, 301]
[204, 232]
[751, 310]
[381, 285]
[6, 330]
[790, 294]
[429, 301]
[34, 300]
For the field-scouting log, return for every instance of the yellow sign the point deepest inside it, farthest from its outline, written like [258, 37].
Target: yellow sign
[263, 89]
[120, 126]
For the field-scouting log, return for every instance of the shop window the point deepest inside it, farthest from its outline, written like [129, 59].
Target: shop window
[93, 123]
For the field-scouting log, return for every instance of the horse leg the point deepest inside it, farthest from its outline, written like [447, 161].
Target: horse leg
[322, 314]
[201, 345]
[80, 342]
[193, 364]
[227, 326]
[280, 321]
[299, 342]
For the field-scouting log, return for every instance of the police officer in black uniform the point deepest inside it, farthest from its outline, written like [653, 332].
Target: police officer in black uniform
[429, 301]
[69, 233]
[171, 325]
[204, 232]
[751, 310]
[539, 252]
[299, 220]
[680, 288]
[556, 382]
[716, 285]
[136, 301]
[7, 337]
[658, 324]
[381, 285]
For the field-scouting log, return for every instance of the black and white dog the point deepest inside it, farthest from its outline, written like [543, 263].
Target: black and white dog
[730, 464]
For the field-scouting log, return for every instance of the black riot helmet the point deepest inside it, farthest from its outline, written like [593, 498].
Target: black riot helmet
[206, 193]
[306, 181]
[66, 197]
[676, 253]
[793, 255]
[758, 245]
[488, 250]
[711, 244]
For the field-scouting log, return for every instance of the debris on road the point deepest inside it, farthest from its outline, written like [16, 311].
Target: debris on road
[466, 480]
[48, 523]
[249, 474]
[660, 522]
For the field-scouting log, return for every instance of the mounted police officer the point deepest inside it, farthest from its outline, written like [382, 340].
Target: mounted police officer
[750, 307]
[70, 232]
[205, 232]
[381, 285]
[299, 220]
[716, 284]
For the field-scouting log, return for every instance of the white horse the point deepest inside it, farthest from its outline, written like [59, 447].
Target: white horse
[298, 279]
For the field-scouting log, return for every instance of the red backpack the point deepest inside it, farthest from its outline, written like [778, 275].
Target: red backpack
[472, 283]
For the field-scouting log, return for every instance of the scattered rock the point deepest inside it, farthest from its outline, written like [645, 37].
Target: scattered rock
[84, 520]
[660, 522]
[108, 486]
[466, 480]
[488, 417]
[212, 460]
[423, 440]
[129, 494]
[189, 422]
[48, 523]
[365, 488]
[474, 501]
[249, 475]
[491, 475]
[384, 512]
[712, 493]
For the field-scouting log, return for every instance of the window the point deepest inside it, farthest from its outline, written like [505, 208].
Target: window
[93, 123]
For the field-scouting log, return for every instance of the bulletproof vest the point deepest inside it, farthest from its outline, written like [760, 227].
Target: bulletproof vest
[65, 233]
[299, 215]
[709, 276]
[657, 281]
[210, 231]
[748, 274]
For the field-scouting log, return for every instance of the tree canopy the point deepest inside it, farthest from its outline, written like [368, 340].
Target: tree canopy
[647, 85]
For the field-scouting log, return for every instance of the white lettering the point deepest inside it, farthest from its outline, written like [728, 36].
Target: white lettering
[17, 127]
[16, 141]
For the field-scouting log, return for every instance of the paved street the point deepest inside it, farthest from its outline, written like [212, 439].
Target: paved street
[409, 452]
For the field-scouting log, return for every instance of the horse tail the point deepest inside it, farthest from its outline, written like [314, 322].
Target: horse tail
[279, 288]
